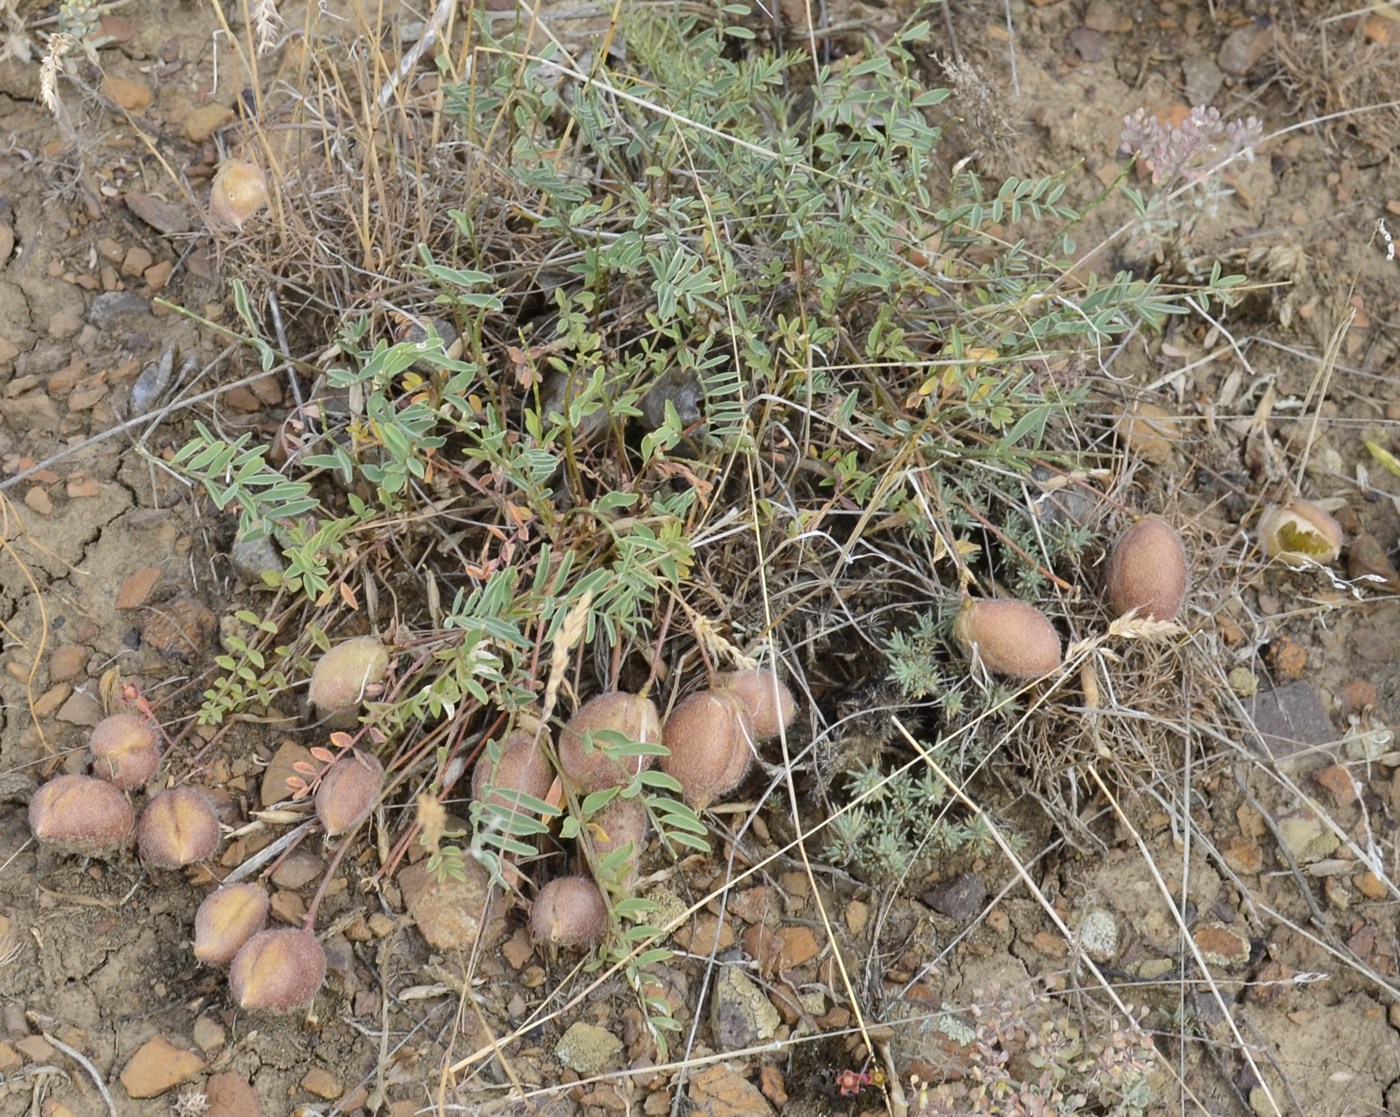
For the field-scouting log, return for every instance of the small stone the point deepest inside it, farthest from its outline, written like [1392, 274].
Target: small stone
[322, 1083]
[1110, 18]
[857, 917]
[281, 768]
[298, 870]
[586, 1049]
[1243, 681]
[252, 558]
[81, 709]
[37, 500]
[158, 275]
[800, 945]
[162, 216]
[1243, 47]
[1291, 720]
[740, 1012]
[136, 261]
[110, 250]
[1305, 838]
[231, 1095]
[179, 629]
[134, 96]
[204, 121]
[66, 321]
[453, 914]
[1370, 885]
[960, 898]
[1098, 935]
[1220, 946]
[137, 587]
[208, 1035]
[52, 699]
[1337, 780]
[1367, 559]
[1243, 855]
[517, 949]
[84, 488]
[719, 1091]
[157, 1067]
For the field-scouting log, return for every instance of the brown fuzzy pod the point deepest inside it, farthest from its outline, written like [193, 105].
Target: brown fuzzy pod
[278, 971]
[621, 823]
[125, 750]
[1010, 637]
[1147, 571]
[344, 677]
[709, 737]
[591, 769]
[81, 815]
[228, 918]
[769, 703]
[523, 767]
[348, 791]
[177, 828]
[569, 912]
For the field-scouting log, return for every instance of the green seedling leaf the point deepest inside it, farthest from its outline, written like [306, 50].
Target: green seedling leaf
[1385, 457]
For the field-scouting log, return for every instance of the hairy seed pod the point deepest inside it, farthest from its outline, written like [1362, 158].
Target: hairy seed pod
[1299, 533]
[1147, 571]
[589, 766]
[523, 767]
[710, 741]
[1010, 637]
[768, 701]
[278, 971]
[177, 828]
[239, 190]
[81, 815]
[621, 823]
[348, 791]
[344, 677]
[569, 912]
[228, 918]
[125, 750]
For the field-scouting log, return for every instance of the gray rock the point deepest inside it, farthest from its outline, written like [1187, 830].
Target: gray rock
[587, 1049]
[740, 1012]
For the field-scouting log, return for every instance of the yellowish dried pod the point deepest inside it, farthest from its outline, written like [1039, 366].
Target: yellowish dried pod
[239, 190]
[590, 766]
[228, 918]
[1147, 571]
[709, 739]
[278, 971]
[1300, 533]
[344, 677]
[1010, 637]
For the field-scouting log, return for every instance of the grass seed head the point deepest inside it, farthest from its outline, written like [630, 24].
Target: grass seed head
[81, 815]
[1299, 533]
[344, 677]
[125, 750]
[523, 767]
[569, 912]
[1147, 571]
[278, 971]
[348, 791]
[228, 918]
[769, 703]
[177, 828]
[709, 737]
[631, 715]
[1010, 637]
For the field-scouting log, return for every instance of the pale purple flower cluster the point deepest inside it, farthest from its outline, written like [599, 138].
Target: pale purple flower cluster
[1195, 148]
